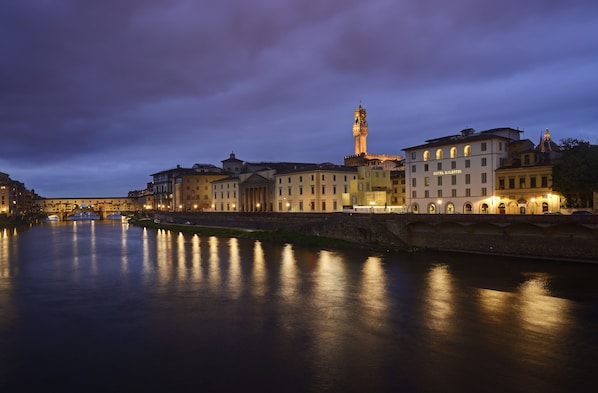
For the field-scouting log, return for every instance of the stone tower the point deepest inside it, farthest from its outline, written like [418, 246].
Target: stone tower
[360, 130]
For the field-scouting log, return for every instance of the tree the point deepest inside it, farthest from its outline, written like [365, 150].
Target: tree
[575, 174]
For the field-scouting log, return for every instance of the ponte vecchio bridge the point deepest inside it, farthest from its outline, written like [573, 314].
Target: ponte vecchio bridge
[65, 207]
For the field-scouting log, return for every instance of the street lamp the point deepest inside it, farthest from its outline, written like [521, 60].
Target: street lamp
[439, 203]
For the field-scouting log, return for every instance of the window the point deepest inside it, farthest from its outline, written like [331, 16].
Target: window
[323, 190]
[484, 177]
[439, 180]
[439, 193]
[425, 167]
[501, 183]
[301, 190]
[511, 182]
[313, 190]
[333, 177]
[439, 154]
[453, 152]
[468, 179]
[526, 159]
[532, 182]
[323, 206]
[483, 161]
[300, 179]
[413, 182]
[413, 155]
[453, 164]
[426, 181]
[468, 192]
[467, 151]
[483, 146]
[413, 168]
[484, 191]
[413, 194]
[289, 179]
[300, 206]
[522, 182]
[454, 180]
[280, 192]
[467, 163]
[544, 181]
[454, 193]
[439, 166]
[289, 191]
[426, 193]
[426, 155]
[323, 177]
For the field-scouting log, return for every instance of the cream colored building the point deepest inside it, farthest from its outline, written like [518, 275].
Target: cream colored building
[455, 174]
[284, 187]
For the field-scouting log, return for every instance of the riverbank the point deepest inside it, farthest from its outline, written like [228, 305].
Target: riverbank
[255, 234]
[566, 238]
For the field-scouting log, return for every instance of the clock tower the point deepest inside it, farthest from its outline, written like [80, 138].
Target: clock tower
[360, 131]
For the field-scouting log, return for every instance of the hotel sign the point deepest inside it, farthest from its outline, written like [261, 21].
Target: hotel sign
[451, 172]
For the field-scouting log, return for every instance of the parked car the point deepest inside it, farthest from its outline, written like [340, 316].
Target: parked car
[581, 213]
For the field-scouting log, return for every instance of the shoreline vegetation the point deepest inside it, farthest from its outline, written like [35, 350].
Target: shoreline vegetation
[255, 234]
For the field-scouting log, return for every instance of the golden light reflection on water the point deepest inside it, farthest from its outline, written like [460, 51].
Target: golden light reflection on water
[214, 262]
[372, 292]
[440, 299]
[288, 275]
[235, 282]
[145, 252]
[124, 253]
[196, 258]
[5, 254]
[538, 309]
[163, 255]
[259, 269]
[181, 257]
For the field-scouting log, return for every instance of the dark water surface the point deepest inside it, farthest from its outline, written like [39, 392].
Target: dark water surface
[108, 307]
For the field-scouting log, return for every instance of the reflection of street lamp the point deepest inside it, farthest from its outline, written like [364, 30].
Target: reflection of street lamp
[439, 203]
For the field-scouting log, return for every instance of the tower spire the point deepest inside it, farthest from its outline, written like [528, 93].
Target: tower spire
[360, 130]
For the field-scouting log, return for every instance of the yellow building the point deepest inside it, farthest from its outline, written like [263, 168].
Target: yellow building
[523, 184]
[373, 191]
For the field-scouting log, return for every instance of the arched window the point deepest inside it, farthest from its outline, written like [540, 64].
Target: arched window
[467, 208]
[484, 208]
[450, 208]
[426, 155]
[501, 209]
[467, 151]
[415, 208]
[453, 152]
[431, 208]
[544, 206]
[439, 154]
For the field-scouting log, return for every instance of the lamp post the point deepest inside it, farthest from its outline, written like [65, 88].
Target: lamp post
[439, 203]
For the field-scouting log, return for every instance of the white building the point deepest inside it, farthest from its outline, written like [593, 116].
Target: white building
[455, 174]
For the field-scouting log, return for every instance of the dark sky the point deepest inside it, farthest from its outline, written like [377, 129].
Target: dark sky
[97, 95]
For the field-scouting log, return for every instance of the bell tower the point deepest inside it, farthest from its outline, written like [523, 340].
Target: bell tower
[360, 130]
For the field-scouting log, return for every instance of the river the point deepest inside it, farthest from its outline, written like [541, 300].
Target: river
[106, 306]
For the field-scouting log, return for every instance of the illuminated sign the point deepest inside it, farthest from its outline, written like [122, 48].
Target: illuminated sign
[451, 172]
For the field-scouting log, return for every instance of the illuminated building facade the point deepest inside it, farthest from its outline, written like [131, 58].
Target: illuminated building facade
[524, 181]
[455, 174]
[283, 187]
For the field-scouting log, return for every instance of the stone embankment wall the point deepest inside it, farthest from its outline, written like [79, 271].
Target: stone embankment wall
[545, 236]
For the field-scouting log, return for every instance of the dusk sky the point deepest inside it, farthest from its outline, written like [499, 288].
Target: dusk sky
[97, 95]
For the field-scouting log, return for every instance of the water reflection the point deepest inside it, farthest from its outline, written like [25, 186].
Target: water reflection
[259, 270]
[440, 299]
[372, 293]
[539, 311]
[288, 275]
[235, 281]
[214, 262]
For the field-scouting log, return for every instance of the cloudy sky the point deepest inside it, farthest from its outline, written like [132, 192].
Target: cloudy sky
[97, 95]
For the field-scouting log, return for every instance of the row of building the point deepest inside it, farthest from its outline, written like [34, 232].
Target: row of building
[489, 172]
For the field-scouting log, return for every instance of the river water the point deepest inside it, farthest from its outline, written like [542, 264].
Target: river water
[110, 307]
